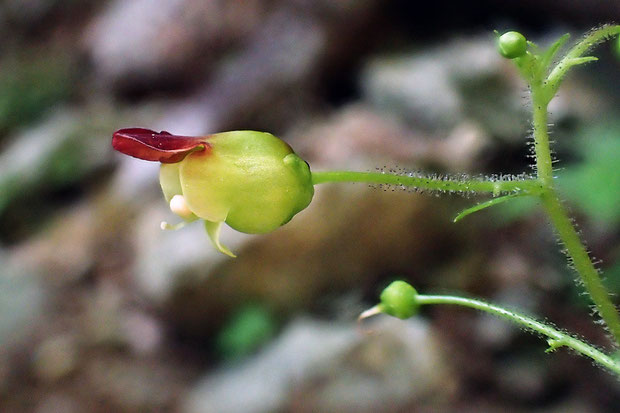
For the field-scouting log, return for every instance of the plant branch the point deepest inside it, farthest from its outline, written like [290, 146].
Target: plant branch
[498, 187]
[542, 92]
[556, 338]
[572, 58]
[582, 263]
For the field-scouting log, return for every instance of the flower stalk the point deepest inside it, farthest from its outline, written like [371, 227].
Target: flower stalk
[401, 300]
[544, 82]
[555, 337]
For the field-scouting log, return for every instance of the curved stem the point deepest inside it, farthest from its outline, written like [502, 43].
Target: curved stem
[556, 338]
[429, 183]
[582, 263]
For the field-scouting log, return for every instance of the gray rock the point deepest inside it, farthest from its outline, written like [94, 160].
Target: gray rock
[359, 137]
[417, 88]
[65, 250]
[282, 53]
[55, 358]
[400, 362]
[61, 150]
[435, 88]
[136, 37]
[149, 39]
[22, 299]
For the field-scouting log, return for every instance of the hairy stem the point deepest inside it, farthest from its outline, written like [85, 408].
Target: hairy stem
[582, 263]
[563, 226]
[427, 183]
[544, 163]
[556, 338]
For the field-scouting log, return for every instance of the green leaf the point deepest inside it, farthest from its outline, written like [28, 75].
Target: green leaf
[248, 329]
[581, 60]
[486, 204]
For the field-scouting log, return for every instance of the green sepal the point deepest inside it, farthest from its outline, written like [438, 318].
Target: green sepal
[213, 230]
[170, 180]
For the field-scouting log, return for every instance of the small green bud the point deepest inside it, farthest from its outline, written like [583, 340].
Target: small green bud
[399, 300]
[512, 45]
[616, 46]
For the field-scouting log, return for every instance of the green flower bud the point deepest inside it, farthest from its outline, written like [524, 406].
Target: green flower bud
[251, 180]
[399, 300]
[512, 45]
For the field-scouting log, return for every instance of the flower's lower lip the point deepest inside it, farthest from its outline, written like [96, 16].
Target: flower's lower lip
[161, 146]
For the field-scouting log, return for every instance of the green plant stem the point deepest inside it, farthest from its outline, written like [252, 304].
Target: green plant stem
[582, 263]
[544, 163]
[542, 92]
[533, 69]
[556, 337]
[428, 183]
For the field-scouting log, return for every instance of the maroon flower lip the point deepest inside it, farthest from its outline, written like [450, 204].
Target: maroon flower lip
[161, 146]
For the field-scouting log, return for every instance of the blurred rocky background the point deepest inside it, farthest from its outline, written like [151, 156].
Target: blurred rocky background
[100, 311]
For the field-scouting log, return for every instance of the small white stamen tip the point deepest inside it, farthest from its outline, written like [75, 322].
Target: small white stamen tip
[179, 207]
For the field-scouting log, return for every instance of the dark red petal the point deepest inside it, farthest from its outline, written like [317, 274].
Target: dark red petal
[156, 146]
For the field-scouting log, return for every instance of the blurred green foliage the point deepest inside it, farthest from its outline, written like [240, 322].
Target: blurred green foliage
[593, 185]
[612, 278]
[249, 328]
[30, 85]
[63, 153]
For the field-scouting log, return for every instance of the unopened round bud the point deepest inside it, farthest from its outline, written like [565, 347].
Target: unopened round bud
[399, 300]
[512, 45]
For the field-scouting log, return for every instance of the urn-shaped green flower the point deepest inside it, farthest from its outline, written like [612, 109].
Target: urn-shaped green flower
[251, 180]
